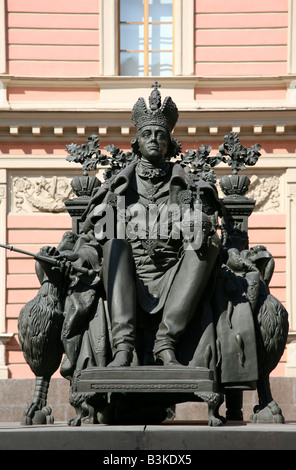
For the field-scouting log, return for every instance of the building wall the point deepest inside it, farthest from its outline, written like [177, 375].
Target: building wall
[51, 39]
[234, 71]
[237, 38]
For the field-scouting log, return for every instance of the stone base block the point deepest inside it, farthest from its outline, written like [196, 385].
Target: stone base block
[172, 439]
[15, 394]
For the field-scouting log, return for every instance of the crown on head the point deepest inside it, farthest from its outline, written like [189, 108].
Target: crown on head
[164, 115]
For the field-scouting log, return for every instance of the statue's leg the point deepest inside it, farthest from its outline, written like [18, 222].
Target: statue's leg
[118, 274]
[214, 401]
[182, 303]
[37, 411]
[39, 329]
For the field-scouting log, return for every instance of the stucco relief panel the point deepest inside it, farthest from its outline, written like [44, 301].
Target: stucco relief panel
[39, 193]
[266, 192]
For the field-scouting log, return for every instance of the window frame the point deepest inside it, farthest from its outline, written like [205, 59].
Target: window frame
[183, 38]
[146, 51]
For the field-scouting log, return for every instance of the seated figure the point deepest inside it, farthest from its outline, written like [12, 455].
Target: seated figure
[153, 285]
[164, 275]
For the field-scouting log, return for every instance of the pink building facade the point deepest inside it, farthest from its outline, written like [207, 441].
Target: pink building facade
[64, 74]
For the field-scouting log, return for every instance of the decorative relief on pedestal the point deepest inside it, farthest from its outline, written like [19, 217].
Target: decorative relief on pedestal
[40, 194]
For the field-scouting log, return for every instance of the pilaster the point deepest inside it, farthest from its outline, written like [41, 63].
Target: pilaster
[109, 37]
[4, 337]
[291, 271]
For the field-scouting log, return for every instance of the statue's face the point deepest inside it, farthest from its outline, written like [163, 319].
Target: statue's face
[153, 143]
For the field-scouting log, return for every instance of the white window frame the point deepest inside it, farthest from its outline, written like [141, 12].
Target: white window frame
[183, 46]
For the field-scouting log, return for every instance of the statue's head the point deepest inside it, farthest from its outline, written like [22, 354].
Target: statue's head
[154, 126]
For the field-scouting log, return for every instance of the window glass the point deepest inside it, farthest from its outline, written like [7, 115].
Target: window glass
[160, 10]
[132, 10]
[160, 37]
[132, 64]
[132, 37]
[160, 64]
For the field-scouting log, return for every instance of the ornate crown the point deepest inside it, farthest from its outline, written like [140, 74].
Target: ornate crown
[165, 115]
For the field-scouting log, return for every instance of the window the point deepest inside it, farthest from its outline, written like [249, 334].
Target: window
[146, 37]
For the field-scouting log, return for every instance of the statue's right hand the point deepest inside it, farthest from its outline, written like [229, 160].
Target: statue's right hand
[43, 267]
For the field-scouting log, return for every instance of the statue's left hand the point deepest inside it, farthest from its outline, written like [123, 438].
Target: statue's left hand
[68, 255]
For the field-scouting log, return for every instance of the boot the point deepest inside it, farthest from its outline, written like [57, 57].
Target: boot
[167, 357]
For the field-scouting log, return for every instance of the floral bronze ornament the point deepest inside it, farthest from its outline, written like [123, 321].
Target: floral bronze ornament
[201, 163]
[90, 157]
[237, 157]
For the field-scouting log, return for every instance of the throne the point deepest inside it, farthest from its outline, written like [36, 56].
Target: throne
[231, 347]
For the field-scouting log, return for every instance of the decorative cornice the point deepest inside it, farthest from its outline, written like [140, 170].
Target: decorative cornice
[64, 126]
[133, 81]
[110, 117]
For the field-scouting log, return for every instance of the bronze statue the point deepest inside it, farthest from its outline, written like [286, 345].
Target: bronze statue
[148, 282]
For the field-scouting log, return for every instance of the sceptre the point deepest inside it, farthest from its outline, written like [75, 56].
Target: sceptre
[48, 259]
